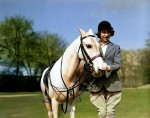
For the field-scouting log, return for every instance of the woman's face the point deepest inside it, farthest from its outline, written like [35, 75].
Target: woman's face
[105, 35]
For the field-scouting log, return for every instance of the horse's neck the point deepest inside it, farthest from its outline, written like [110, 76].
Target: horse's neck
[70, 63]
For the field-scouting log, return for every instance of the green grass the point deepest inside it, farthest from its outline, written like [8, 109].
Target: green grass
[135, 103]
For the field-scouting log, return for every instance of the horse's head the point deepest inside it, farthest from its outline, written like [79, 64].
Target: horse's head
[90, 53]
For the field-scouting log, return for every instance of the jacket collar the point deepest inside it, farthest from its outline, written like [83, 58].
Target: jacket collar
[109, 49]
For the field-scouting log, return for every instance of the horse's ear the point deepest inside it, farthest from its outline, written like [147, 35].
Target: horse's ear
[90, 31]
[82, 32]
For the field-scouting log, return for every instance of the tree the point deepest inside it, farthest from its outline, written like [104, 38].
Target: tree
[146, 59]
[135, 68]
[29, 50]
[24, 49]
[13, 31]
[50, 47]
[40, 49]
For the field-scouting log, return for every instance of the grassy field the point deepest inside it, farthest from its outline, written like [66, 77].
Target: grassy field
[135, 104]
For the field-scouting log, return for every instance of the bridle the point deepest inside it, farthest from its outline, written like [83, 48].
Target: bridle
[88, 61]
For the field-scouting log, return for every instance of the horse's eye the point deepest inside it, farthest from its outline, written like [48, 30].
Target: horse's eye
[88, 46]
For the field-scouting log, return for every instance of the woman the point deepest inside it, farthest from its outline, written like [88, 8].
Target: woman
[106, 90]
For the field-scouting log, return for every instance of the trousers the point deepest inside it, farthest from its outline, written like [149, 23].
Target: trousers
[105, 102]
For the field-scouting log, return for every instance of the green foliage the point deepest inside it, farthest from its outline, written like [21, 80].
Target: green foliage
[24, 49]
[50, 47]
[146, 59]
[134, 68]
[13, 31]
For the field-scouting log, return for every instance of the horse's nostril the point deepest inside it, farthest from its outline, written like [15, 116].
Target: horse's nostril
[101, 71]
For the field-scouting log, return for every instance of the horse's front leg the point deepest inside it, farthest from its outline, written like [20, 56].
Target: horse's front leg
[72, 112]
[55, 105]
[76, 93]
[49, 109]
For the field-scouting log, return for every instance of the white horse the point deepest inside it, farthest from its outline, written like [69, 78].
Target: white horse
[62, 78]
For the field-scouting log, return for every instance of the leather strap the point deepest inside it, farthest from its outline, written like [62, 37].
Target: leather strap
[87, 36]
[99, 55]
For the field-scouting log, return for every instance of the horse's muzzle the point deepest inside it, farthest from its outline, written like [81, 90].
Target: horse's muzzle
[100, 73]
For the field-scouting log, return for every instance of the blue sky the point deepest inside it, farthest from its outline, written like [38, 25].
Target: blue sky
[129, 18]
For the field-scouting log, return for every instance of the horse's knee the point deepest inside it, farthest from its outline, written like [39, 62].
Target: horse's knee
[48, 106]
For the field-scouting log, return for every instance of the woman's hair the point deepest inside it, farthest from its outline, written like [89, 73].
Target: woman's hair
[104, 25]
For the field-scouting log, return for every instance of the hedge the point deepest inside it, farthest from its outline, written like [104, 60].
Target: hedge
[12, 83]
